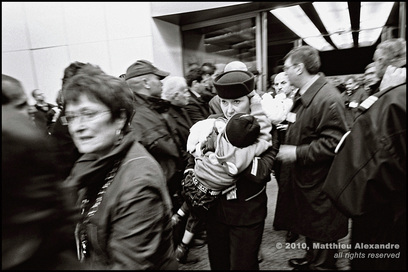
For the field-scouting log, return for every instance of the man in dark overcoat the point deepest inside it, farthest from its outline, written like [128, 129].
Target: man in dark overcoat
[316, 124]
[367, 180]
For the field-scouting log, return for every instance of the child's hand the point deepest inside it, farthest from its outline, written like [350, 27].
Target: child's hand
[256, 98]
[210, 143]
[251, 94]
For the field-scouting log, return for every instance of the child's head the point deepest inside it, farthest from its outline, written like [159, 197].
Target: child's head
[242, 130]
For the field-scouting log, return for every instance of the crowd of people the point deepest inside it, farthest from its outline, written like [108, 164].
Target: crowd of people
[131, 171]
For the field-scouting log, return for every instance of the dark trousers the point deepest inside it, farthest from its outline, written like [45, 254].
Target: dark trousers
[320, 259]
[233, 247]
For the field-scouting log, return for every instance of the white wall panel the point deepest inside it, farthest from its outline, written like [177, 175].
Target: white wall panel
[45, 22]
[94, 53]
[125, 52]
[19, 65]
[167, 47]
[49, 66]
[85, 22]
[13, 27]
[127, 19]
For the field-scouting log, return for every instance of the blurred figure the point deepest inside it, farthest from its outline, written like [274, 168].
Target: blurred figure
[284, 98]
[44, 112]
[13, 94]
[271, 90]
[338, 83]
[37, 220]
[122, 194]
[367, 180]
[209, 69]
[316, 125]
[371, 81]
[198, 107]
[256, 74]
[67, 152]
[156, 128]
[352, 97]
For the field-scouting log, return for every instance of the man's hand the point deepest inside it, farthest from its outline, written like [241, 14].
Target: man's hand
[287, 153]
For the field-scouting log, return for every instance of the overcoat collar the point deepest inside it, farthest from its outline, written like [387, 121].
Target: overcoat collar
[310, 93]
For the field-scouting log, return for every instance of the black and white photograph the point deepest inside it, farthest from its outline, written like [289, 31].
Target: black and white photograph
[204, 135]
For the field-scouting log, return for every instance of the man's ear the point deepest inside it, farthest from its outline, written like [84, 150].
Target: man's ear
[146, 83]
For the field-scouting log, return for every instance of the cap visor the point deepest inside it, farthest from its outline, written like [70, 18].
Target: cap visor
[161, 74]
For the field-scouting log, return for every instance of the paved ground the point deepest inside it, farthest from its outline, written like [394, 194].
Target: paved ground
[274, 259]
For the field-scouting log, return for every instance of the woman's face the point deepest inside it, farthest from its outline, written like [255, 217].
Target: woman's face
[232, 106]
[91, 126]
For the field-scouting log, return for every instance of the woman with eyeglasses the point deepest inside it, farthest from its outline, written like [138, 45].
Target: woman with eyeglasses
[122, 195]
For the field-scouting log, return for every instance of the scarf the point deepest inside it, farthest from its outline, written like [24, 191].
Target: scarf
[89, 172]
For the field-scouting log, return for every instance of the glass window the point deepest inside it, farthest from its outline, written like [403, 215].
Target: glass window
[220, 44]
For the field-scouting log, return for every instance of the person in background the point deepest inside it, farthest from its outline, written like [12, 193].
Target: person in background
[255, 72]
[338, 83]
[156, 128]
[367, 179]
[13, 94]
[37, 220]
[176, 91]
[371, 80]
[271, 89]
[44, 112]
[316, 125]
[352, 97]
[208, 70]
[198, 107]
[125, 206]
[236, 222]
[284, 95]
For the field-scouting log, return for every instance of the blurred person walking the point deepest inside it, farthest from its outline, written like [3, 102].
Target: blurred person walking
[316, 125]
[352, 97]
[44, 112]
[155, 126]
[38, 221]
[122, 194]
[367, 179]
[371, 80]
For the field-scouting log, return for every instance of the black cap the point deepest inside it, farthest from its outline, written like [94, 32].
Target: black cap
[234, 84]
[144, 67]
[242, 130]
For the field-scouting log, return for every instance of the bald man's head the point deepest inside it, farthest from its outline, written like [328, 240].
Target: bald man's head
[13, 92]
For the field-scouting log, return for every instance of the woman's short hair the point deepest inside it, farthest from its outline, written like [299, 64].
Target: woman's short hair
[109, 90]
[307, 55]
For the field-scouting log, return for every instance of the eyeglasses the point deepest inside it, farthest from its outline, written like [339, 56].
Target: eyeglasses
[285, 68]
[85, 116]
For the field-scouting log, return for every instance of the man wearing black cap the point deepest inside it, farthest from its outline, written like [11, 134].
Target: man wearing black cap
[157, 124]
[236, 222]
